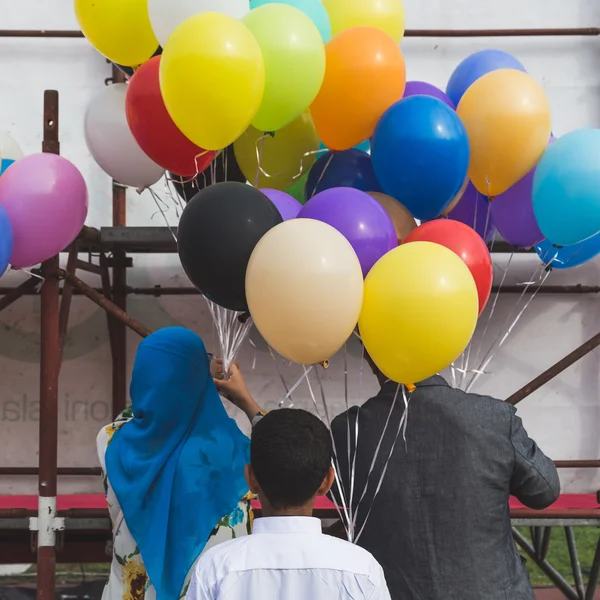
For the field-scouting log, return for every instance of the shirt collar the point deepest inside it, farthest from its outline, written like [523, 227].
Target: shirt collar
[307, 525]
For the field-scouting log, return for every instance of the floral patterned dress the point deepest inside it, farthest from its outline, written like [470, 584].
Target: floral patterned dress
[128, 579]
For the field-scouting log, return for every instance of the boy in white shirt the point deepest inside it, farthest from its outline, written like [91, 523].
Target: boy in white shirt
[287, 557]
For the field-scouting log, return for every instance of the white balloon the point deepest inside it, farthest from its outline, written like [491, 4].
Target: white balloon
[166, 15]
[111, 142]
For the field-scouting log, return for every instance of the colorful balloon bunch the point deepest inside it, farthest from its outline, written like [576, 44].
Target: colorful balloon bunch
[300, 272]
[307, 100]
[536, 190]
[43, 206]
[240, 71]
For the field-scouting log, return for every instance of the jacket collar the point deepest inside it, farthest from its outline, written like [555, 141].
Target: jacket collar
[389, 387]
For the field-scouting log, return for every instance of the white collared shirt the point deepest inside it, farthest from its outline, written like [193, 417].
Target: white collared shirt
[287, 558]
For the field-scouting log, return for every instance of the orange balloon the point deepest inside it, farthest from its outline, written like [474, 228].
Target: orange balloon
[365, 75]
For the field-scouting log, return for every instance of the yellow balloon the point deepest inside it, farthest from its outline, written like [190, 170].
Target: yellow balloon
[419, 311]
[387, 15]
[304, 287]
[118, 29]
[507, 116]
[284, 156]
[212, 78]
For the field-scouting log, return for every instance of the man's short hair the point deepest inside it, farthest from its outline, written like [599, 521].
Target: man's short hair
[290, 452]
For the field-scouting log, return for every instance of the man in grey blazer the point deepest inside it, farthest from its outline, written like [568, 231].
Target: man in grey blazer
[440, 524]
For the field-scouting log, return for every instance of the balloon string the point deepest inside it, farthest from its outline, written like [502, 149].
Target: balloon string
[500, 339]
[231, 333]
[334, 461]
[493, 309]
[295, 387]
[159, 204]
[353, 469]
[255, 354]
[335, 455]
[305, 156]
[350, 478]
[288, 395]
[259, 148]
[402, 426]
[322, 175]
[31, 274]
[173, 197]
[376, 455]
[466, 355]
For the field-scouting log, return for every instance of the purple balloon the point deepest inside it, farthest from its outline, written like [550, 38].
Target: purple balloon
[513, 213]
[46, 199]
[359, 217]
[287, 206]
[420, 88]
[473, 210]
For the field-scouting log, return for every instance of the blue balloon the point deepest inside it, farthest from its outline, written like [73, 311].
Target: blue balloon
[5, 163]
[421, 155]
[566, 188]
[6, 240]
[566, 257]
[475, 66]
[350, 168]
[313, 9]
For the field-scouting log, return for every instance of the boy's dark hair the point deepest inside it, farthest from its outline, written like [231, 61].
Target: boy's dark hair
[290, 453]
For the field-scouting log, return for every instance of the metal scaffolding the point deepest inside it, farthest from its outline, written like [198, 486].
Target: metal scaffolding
[112, 247]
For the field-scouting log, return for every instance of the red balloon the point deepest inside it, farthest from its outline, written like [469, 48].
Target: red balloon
[155, 131]
[465, 242]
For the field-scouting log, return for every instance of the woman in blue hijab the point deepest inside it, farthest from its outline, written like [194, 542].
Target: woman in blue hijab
[173, 469]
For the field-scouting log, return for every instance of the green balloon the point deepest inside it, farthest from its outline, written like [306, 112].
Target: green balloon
[297, 189]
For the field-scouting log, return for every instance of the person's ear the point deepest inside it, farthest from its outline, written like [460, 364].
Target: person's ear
[327, 483]
[251, 480]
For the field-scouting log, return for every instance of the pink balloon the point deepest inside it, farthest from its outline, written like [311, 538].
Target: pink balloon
[46, 199]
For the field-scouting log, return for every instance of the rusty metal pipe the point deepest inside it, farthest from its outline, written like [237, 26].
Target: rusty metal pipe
[64, 471]
[105, 303]
[119, 291]
[49, 372]
[554, 370]
[26, 288]
[159, 290]
[416, 33]
[96, 471]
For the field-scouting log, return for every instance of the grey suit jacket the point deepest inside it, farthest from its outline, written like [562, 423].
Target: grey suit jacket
[440, 525]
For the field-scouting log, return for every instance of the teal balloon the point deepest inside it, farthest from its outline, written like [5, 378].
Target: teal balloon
[566, 188]
[313, 9]
[364, 147]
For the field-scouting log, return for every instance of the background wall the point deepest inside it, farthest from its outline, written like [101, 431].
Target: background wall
[564, 416]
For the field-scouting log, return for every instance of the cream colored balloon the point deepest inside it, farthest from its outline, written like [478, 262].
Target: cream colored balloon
[403, 221]
[304, 287]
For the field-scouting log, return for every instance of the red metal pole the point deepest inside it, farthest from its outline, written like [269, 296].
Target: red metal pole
[49, 371]
[119, 350]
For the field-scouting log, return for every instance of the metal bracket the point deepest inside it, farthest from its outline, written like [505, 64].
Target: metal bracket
[45, 526]
[58, 524]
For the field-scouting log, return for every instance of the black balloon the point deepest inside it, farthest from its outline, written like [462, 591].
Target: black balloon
[218, 230]
[225, 167]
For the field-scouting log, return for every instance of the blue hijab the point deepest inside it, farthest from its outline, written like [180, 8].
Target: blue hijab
[177, 467]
